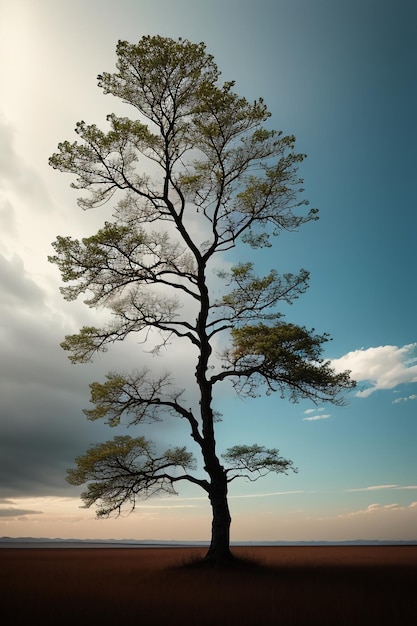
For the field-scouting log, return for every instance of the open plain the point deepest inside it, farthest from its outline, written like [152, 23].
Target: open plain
[329, 585]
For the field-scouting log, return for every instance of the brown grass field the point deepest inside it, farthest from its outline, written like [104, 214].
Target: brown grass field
[327, 585]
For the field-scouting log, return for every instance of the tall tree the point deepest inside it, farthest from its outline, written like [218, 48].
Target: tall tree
[213, 161]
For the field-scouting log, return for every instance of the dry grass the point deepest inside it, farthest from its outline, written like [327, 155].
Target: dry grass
[332, 586]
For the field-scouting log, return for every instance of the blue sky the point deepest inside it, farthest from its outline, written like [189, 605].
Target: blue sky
[339, 75]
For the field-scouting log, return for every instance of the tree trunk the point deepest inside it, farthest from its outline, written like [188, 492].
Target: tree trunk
[219, 551]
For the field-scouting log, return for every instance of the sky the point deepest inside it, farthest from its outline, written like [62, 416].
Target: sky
[338, 74]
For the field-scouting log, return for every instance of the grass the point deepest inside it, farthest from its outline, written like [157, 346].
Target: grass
[328, 586]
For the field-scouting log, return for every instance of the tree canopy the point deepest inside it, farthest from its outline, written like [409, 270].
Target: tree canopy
[194, 158]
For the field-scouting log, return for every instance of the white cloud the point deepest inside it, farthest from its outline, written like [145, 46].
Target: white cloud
[13, 513]
[314, 418]
[377, 487]
[266, 495]
[166, 506]
[374, 509]
[318, 415]
[383, 367]
[398, 400]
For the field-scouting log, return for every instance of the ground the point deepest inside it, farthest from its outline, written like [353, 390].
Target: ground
[286, 585]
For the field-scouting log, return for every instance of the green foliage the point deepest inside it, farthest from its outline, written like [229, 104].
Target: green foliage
[255, 461]
[118, 256]
[283, 357]
[196, 158]
[85, 344]
[138, 396]
[163, 79]
[256, 298]
[121, 470]
[208, 142]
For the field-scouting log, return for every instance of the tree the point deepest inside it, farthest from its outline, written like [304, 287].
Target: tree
[213, 160]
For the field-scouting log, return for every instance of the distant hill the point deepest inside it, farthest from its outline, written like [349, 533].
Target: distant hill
[44, 542]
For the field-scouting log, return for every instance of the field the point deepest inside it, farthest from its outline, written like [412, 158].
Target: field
[329, 585]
